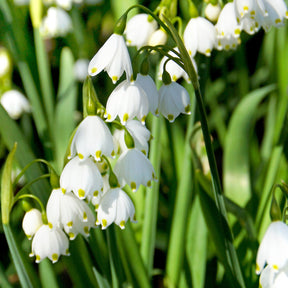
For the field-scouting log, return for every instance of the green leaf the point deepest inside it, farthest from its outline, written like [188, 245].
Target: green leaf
[6, 187]
[237, 183]
[196, 244]
[11, 133]
[217, 232]
[47, 274]
[24, 269]
[101, 281]
[66, 105]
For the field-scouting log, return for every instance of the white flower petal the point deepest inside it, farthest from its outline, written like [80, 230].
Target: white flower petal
[92, 138]
[81, 177]
[32, 221]
[49, 243]
[134, 169]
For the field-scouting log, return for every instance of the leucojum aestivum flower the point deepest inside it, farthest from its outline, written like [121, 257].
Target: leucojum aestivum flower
[109, 159]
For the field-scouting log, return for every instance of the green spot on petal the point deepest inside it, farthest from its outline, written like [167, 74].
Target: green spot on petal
[149, 183]
[70, 224]
[170, 117]
[122, 224]
[38, 259]
[275, 267]
[55, 257]
[93, 70]
[114, 78]
[104, 223]
[95, 193]
[98, 155]
[50, 225]
[85, 216]
[86, 230]
[133, 186]
[187, 109]
[143, 119]
[81, 193]
[80, 156]
[63, 190]
[125, 118]
[71, 236]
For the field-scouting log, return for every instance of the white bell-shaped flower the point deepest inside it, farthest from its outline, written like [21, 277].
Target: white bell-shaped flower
[273, 249]
[140, 134]
[174, 99]
[65, 4]
[82, 177]
[117, 207]
[158, 37]
[57, 23]
[149, 86]
[65, 210]
[112, 57]
[212, 12]
[127, 100]
[15, 103]
[139, 29]
[49, 242]
[274, 13]
[270, 278]
[199, 35]
[173, 68]
[80, 69]
[134, 169]
[92, 138]
[245, 7]
[32, 221]
[227, 28]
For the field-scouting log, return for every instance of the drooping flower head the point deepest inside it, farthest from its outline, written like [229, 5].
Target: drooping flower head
[82, 177]
[199, 35]
[92, 138]
[228, 28]
[273, 249]
[57, 23]
[140, 134]
[112, 57]
[15, 103]
[127, 100]
[32, 221]
[65, 210]
[49, 242]
[174, 99]
[139, 29]
[117, 207]
[134, 169]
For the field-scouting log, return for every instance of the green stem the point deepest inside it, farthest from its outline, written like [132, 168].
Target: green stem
[151, 202]
[29, 165]
[45, 79]
[231, 255]
[182, 204]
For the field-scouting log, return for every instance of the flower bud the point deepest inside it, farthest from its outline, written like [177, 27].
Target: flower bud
[89, 98]
[36, 12]
[129, 141]
[166, 78]
[121, 25]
